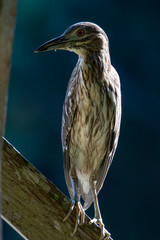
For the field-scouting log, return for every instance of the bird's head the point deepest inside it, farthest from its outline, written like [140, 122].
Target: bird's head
[81, 38]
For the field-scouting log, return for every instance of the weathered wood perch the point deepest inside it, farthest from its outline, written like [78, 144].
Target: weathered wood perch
[33, 205]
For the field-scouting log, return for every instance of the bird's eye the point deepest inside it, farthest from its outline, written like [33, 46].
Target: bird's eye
[80, 32]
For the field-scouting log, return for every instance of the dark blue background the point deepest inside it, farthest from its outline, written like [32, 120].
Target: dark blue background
[130, 197]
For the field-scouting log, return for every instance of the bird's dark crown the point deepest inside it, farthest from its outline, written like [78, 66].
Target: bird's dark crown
[88, 27]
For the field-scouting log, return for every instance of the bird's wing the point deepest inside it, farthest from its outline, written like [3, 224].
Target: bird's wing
[112, 85]
[69, 112]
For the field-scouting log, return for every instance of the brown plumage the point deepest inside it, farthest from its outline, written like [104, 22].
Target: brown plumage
[91, 116]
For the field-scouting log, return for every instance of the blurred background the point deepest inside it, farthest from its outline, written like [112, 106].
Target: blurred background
[130, 197]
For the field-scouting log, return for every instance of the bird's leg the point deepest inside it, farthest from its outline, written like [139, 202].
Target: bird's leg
[98, 219]
[75, 202]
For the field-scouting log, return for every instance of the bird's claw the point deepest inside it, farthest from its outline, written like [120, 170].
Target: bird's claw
[105, 235]
[80, 215]
[70, 210]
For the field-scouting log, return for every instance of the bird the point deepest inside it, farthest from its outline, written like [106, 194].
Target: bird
[91, 117]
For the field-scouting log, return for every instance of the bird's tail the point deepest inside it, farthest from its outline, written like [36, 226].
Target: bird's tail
[88, 199]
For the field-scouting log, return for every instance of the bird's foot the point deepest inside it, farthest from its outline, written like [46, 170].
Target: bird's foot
[104, 233]
[80, 214]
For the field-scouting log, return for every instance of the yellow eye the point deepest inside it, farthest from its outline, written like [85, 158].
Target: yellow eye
[80, 32]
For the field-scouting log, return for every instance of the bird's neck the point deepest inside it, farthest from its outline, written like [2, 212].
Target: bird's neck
[95, 65]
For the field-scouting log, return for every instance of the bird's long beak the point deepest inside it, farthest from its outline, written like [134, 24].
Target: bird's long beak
[53, 44]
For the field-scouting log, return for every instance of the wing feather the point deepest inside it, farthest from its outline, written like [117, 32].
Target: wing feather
[69, 112]
[112, 85]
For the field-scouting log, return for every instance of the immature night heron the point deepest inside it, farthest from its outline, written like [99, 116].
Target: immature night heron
[91, 116]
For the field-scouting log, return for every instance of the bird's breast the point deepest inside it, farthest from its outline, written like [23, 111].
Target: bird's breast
[89, 130]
